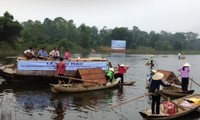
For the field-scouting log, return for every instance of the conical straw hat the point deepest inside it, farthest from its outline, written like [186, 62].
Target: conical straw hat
[154, 71]
[122, 65]
[158, 76]
[112, 69]
[187, 65]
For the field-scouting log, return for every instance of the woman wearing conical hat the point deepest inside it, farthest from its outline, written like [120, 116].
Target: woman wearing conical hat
[121, 71]
[154, 88]
[185, 76]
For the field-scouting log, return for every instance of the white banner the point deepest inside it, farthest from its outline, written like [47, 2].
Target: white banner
[51, 65]
[118, 45]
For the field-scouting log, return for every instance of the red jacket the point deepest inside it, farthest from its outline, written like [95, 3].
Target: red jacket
[61, 68]
[122, 69]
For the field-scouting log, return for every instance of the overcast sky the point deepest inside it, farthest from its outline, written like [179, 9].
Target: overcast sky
[168, 15]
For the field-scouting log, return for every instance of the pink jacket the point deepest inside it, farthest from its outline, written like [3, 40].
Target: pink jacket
[185, 72]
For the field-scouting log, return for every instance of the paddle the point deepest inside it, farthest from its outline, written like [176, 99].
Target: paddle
[194, 82]
[182, 108]
[76, 79]
[129, 101]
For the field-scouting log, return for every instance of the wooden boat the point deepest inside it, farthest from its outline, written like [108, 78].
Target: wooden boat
[43, 71]
[81, 87]
[89, 79]
[148, 64]
[182, 57]
[128, 83]
[173, 91]
[177, 94]
[180, 110]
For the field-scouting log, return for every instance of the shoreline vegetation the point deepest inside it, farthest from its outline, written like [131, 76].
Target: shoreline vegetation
[16, 37]
[6, 49]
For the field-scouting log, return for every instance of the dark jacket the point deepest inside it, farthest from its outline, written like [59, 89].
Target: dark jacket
[155, 85]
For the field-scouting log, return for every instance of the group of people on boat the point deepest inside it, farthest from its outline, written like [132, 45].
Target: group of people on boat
[155, 80]
[42, 54]
[112, 73]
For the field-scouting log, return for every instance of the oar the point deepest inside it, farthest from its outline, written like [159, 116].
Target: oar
[76, 79]
[129, 101]
[182, 108]
[195, 82]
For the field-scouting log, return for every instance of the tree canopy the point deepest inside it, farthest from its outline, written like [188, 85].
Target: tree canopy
[65, 34]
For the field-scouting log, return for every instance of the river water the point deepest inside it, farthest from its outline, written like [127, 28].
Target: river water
[34, 102]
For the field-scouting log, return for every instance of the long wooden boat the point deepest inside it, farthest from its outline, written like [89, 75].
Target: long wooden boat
[177, 94]
[179, 112]
[81, 87]
[128, 83]
[173, 91]
[43, 71]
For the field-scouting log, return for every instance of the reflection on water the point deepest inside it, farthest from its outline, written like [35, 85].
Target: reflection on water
[7, 105]
[34, 102]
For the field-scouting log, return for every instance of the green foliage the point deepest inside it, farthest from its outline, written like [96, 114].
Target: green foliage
[9, 29]
[66, 35]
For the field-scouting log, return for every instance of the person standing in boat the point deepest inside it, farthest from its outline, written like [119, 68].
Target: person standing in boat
[152, 62]
[29, 54]
[110, 75]
[149, 79]
[54, 53]
[42, 54]
[120, 72]
[154, 88]
[61, 68]
[185, 76]
[179, 55]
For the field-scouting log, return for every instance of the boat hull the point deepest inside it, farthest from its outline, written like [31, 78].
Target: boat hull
[177, 94]
[179, 113]
[79, 87]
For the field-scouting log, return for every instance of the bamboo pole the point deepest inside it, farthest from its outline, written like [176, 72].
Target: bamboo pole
[72, 78]
[182, 108]
[194, 82]
[129, 101]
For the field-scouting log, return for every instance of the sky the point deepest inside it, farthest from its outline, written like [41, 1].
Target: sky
[148, 15]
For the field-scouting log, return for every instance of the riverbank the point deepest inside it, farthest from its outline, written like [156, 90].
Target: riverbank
[6, 49]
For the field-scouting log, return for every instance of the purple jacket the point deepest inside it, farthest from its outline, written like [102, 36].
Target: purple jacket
[185, 72]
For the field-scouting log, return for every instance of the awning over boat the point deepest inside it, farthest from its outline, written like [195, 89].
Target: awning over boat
[96, 75]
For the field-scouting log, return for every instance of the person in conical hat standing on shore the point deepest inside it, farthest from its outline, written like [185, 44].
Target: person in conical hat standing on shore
[185, 76]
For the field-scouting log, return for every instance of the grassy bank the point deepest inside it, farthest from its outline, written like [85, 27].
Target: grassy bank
[7, 49]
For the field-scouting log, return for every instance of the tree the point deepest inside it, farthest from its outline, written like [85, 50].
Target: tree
[9, 29]
[85, 36]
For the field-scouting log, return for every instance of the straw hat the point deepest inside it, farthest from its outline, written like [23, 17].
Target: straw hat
[112, 69]
[154, 71]
[122, 65]
[158, 76]
[187, 65]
